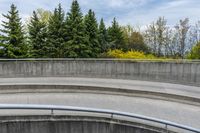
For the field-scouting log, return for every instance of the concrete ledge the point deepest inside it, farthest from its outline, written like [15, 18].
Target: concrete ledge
[132, 88]
[72, 124]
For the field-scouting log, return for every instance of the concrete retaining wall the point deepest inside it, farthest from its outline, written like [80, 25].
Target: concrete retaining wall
[173, 72]
[63, 124]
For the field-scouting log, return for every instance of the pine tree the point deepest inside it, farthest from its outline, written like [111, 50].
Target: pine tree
[56, 37]
[37, 36]
[115, 36]
[77, 41]
[103, 37]
[91, 31]
[13, 38]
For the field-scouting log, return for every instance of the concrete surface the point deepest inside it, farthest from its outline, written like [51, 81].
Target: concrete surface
[64, 124]
[182, 113]
[183, 93]
[173, 72]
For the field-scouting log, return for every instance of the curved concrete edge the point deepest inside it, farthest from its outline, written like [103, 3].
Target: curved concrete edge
[40, 88]
[79, 118]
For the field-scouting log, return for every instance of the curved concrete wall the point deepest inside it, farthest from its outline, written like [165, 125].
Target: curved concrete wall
[63, 124]
[181, 73]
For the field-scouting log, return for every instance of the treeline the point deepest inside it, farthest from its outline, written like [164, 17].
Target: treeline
[59, 34]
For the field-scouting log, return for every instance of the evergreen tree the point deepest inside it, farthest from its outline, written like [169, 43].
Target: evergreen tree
[77, 41]
[13, 38]
[115, 36]
[91, 31]
[44, 15]
[103, 37]
[55, 39]
[37, 36]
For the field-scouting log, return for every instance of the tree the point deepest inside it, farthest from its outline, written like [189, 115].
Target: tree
[134, 39]
[151, 37]
[76, 41]
[136, 42]
[13, 38]
[161, 36]
[155, 36]
[171, 43]
[103, 36]
[127, 31]
[195, 52]
[182, 29]
[37, 36]
[194, 35]
[56, 34]
[115, 36]
[91, 31]
[44, 15]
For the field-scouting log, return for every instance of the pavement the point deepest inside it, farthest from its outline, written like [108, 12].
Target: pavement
[182, 113]
[159, 87]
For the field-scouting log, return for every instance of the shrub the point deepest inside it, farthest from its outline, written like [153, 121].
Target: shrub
[195, 52]
[129, 55]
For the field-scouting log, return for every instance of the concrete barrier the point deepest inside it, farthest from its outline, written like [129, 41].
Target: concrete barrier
[173, 72]
[71, 124]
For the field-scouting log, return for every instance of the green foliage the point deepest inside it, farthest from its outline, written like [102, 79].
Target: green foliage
[136, 43]
[103, 37]
[115, 36]
[195, 52]
[13, 39]
[44, 15]
[54, 35]
[55, 39]
[37, 36]
[91, 31]
[129, 54]
[134, 40]
[77, 43]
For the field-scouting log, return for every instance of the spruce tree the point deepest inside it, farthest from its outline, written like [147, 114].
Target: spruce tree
[76, 40]
[103, 37]
[37, 36]
[91, 31]
[115, 35]
[13, 38]
[55, 39]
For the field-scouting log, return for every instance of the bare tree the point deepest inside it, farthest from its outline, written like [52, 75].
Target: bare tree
[151, 38]
[172, 43]
[161, 34]
[194, 35]
[182, 29]
[156, 36]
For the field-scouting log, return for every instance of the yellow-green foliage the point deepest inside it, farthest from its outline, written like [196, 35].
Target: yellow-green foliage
[129, 55]
[195, 52]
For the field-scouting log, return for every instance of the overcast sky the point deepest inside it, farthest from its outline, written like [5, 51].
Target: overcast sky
[134, 12]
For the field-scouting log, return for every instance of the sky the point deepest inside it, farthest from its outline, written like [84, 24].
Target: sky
[134, 12]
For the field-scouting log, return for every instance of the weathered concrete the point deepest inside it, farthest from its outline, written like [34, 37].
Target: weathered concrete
[71, 124]
[121, 95]
[157, 90]
[174, 72]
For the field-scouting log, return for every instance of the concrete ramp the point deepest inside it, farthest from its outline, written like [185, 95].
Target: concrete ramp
[173, 102]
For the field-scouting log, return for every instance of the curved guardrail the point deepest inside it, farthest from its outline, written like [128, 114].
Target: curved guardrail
[92, 110]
